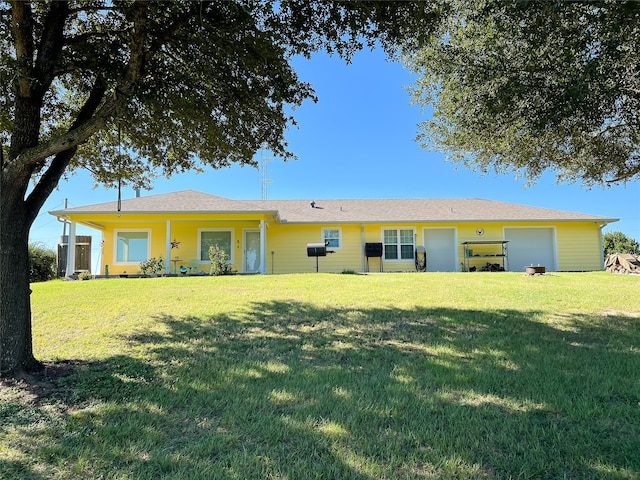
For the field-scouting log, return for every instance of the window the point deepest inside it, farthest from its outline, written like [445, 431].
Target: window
[132, 246]
[399, 244]
[210, 238]
[331, 237]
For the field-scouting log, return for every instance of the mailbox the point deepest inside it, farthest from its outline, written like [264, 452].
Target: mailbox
[316, 250]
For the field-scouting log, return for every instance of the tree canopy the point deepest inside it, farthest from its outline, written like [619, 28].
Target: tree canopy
[618, 242]
[130, 88]
[529, 86]
[172, 84]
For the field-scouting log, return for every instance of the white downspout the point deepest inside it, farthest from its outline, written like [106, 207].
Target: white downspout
[71, 250]
[602, 259]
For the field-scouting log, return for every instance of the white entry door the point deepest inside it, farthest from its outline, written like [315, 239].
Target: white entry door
[440, 244]
[252, 254]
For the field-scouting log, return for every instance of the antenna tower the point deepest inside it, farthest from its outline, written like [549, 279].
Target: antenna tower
[264, 159]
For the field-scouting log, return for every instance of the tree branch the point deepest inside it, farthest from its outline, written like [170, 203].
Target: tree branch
[60, 162]
[628, 175]
[84, 128]
[50, 45]
[92, 9]
[34, 76]
[173, 28]
[22, 25]
[632, 90]
[611, 128]
[83, 38]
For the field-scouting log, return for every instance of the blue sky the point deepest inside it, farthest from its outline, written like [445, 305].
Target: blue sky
[358, 142]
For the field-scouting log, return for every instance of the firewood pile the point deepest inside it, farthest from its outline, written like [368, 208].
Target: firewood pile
[623, 263]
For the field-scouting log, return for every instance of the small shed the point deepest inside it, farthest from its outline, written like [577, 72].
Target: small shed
[82, 257]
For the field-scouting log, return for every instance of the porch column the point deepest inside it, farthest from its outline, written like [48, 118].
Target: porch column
[263, 247]
[71, 250]
[167, 262]
[362, 246]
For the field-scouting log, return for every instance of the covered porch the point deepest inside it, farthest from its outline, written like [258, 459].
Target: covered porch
[181, 241]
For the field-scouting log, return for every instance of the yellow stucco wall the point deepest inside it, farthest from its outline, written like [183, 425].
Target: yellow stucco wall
[577, 244]
[157, 245]
[289, 246]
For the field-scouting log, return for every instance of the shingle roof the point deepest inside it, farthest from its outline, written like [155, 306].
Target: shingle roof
[417, 210]
[341, 211]
[182, 202]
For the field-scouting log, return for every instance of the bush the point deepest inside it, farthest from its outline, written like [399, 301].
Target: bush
[219, 261]
[153, 266]
[42, 263]
[618, 242]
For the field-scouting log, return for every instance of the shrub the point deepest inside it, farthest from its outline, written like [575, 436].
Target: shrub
[219, 261]
[618, 242]
[85, 276]
[153, 266]
[42, 263]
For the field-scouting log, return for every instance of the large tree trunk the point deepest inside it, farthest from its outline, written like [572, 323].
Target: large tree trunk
[36, 69]
[16, 349]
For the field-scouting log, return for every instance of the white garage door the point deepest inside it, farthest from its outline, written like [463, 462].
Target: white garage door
[531, 246]
[440, 244]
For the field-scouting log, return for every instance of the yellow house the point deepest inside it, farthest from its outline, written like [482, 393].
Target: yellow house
[288, 236]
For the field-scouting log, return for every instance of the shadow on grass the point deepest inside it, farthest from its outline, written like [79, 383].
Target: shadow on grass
[289, 390]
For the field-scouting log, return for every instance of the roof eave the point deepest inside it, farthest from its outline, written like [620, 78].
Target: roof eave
[459, 220]
[66, 213]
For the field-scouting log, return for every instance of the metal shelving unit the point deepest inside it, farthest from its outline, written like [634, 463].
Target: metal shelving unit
[501, 255]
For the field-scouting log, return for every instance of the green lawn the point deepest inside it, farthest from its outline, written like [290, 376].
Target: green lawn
[385, 376]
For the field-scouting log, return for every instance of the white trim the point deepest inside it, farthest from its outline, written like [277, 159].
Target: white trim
[115, 244]
[397, 229]
[323, 240]
[602, 259]
[263, 247]
[71, 250]
[231, 243]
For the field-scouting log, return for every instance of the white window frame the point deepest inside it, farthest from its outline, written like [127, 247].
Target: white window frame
[324, 240]
[399, 244]
[116, 232]
[232, 244]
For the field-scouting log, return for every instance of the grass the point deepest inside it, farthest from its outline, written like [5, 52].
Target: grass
[403, 376]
